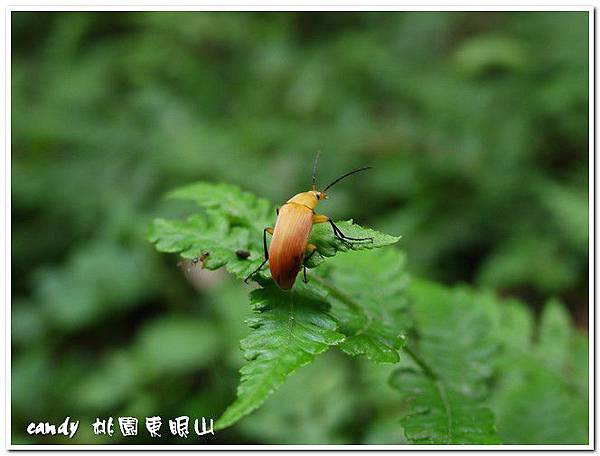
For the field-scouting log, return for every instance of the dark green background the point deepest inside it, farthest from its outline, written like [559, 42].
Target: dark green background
[476, 124]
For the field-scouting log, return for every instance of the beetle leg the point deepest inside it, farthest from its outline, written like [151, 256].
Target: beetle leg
[311, 249]
[341, 236]
[277, 211]
[265, 231]
[320, 218]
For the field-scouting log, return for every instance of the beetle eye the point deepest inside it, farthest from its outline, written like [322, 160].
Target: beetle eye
[318, 196]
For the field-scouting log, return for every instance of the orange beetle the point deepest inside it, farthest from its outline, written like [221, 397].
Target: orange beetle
[290, 248]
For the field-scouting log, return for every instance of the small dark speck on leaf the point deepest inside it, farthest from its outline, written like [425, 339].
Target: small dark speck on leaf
[242, 254]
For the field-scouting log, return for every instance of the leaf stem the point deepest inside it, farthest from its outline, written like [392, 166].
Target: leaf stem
[439, 384]
[339, 294]
[343, 297]
[420, 362]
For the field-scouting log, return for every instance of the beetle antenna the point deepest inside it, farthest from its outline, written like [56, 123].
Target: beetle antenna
[314, 174]
[346, 175]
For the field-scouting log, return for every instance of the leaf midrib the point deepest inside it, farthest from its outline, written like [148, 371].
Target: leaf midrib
[443, 393]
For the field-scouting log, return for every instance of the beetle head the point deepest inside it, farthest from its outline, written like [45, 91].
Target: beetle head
[319, 195]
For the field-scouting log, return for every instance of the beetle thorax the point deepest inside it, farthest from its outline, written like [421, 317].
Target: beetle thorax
[308, 199]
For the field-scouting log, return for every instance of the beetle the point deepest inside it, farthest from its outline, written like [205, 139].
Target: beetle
[290, 249]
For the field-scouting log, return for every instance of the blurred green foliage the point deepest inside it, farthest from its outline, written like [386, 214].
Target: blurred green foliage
[476, 124]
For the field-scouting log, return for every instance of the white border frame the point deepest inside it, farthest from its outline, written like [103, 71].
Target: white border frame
[310, 5]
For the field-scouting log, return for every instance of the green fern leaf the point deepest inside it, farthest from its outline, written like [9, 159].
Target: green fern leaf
[286, 336]
[233, 221]
[439, 414]
[209, 237]
[328, 244]
[446, 387]
[241, 208]
[368, 300]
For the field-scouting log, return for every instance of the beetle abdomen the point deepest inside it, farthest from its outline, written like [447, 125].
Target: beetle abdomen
[288, 244]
